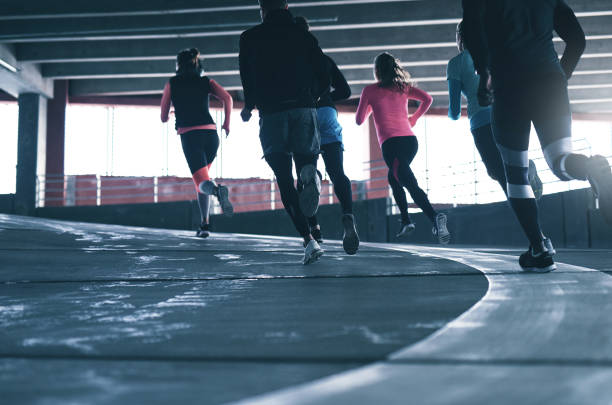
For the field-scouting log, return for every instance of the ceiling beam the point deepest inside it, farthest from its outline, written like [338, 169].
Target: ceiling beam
[18, 78]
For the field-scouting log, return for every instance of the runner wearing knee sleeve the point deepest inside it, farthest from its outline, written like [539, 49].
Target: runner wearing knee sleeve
[511, 42]
[188, 91]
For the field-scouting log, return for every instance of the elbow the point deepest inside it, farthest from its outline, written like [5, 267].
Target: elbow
[454, 115]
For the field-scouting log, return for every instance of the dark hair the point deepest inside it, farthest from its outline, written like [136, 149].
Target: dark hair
[390, 73]
[272, 4]
[460, 30]
[187, 62]
[302, 22]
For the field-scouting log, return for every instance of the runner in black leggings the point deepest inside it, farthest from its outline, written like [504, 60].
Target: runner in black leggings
[332, 151]
[189, 92]
[511, 42]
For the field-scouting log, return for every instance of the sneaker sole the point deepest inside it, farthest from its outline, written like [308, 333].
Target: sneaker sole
[444, 235]
[535, 181]
[202, 235]
[407, 232]
[309, 197]
[602, 184]
[226, 205]
[546, 269]
[350, 241]
[316, 255]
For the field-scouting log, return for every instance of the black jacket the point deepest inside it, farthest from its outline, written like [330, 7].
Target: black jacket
[514, 38]
[341, 89]
[281, 66]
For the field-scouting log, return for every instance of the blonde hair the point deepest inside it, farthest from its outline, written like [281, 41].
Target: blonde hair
[390, 73]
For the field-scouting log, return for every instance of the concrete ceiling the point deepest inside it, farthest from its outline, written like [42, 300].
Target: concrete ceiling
[127, 47]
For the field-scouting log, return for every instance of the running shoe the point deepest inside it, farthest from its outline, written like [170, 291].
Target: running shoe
[535, 181]
[405, 229]
[226, 204]
[600, 177]
[440, 230]
[316, 234]
[203, 231]
[537, 262]
[350, 240]
[312, 252]
[309, 196]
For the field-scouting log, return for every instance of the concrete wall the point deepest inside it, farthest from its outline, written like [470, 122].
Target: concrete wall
[7, 203]
[566, 218]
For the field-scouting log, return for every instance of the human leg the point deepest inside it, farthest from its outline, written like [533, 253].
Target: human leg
[334, 165]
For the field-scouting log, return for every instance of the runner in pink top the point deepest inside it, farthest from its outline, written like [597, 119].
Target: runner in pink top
[388, 100]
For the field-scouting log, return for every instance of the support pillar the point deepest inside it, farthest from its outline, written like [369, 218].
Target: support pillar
[30, 150]
[378, 185]
[56, 136]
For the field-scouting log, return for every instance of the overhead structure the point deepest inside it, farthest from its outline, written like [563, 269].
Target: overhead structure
[122, 48]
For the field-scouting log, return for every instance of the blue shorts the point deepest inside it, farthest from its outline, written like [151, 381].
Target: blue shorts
[329, 127]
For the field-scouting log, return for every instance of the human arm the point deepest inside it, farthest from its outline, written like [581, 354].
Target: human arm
[166, 101]
[220, 93]
[454, 101]
[365, 109]
[320, 68]
[425, 102]
[567, 26]
[247, 76]
[342, 90]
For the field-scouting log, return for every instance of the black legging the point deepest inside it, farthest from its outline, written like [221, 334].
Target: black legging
[333, 157]
[282, 166]
[398, 153]
[489, 153]
[200, 148]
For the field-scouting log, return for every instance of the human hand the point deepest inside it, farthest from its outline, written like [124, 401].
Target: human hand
[412, 120]
[226, 127]
[246, 114]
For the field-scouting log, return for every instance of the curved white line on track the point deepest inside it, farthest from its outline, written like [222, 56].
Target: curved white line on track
[532, 339]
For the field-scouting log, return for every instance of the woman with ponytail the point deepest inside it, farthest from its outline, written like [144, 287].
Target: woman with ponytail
[387, 100]
[189, 92]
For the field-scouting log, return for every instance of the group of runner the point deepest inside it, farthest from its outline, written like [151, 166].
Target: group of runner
[507, 69]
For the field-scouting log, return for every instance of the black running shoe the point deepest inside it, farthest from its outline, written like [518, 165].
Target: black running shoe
[540, 262]
[224, 201]
[600, 177]
[350, 240]
[203, 231]
[405, 229]
[316, 234]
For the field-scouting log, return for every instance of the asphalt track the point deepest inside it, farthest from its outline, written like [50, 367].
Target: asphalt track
[111, 315]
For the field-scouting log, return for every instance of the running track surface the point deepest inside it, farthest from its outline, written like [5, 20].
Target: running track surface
[112, 315]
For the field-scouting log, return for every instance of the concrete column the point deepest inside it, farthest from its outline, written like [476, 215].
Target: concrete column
[378, 184]
[56, 135]
[30, 150]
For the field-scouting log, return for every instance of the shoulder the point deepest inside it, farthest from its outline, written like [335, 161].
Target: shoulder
[251, 32]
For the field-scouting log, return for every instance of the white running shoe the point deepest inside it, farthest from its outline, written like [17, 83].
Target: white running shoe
[440, 230]
[312, 253]
[600, 177]
[311, 191]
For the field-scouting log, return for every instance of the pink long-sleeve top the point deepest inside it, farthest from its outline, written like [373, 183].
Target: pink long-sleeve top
[390, 109]
[216, 90]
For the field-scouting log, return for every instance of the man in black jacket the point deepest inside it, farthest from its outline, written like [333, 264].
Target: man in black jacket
[283, 72]
[511, 42]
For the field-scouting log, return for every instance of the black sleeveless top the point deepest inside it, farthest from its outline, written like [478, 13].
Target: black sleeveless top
[190, 99]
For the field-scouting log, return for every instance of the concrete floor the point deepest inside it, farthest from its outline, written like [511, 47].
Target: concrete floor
[115, 315]
[96, 314]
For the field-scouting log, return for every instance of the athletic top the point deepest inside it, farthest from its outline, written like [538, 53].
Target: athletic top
[463, 79]
[390, 109]
[189, 96]
[341, 89]
[282, 66]
[514, 38]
